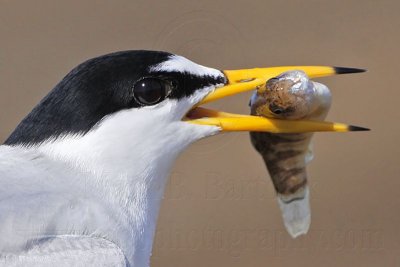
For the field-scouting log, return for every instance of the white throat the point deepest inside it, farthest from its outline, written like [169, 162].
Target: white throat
[127, 167]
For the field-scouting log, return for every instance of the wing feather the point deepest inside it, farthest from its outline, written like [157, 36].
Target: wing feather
[67, 250]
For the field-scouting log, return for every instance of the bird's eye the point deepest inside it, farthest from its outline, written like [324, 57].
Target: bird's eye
[150, 91]
[275, 109]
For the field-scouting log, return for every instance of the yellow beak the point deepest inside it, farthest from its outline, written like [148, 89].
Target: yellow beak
[248, 79]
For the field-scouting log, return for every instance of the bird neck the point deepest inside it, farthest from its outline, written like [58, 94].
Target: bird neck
[141, 204]
[124, 163]
[128, 169]
[133, 184]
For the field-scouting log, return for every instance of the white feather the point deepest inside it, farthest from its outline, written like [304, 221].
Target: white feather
[183, 65]
[67, 251]
[107, 183]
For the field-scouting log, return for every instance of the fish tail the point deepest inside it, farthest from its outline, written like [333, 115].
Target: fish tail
[296, 212]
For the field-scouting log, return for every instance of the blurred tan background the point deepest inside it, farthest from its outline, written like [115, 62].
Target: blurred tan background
[220, 209]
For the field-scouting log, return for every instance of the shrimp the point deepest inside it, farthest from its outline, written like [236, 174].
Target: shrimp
[290, 96]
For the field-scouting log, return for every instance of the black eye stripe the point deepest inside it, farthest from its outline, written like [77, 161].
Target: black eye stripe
[177, 85]
[187, 84]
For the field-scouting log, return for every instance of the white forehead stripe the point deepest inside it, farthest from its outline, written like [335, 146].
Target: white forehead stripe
[183, 65]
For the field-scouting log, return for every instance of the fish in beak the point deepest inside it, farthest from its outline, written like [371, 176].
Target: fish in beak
[291, 96]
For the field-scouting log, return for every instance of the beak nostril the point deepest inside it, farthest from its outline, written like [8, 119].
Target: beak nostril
[246, 80]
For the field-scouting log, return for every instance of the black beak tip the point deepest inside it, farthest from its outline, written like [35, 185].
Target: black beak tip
[353, 128]
[343, 70]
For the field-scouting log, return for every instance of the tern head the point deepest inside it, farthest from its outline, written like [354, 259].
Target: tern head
[152, 98]
[137, 91]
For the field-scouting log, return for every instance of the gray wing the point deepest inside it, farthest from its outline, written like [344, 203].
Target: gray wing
[68, 251]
